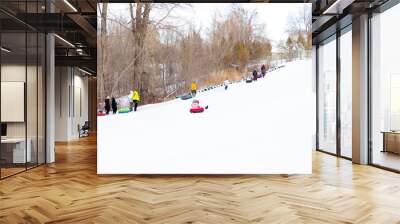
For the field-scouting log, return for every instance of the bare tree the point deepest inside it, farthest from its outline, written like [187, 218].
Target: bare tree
[140, 18]
[300, 21]
[298, 27]
[160, 54]
[103, 9]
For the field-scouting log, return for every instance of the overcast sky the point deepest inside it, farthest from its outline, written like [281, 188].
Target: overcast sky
[273, 15]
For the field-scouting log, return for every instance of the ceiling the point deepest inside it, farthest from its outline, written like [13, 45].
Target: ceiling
[75, 22]
[332, 15]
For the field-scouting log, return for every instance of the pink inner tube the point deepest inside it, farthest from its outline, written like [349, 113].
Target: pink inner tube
[197, 110]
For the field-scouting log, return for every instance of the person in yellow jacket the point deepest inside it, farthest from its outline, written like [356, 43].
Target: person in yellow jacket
[193, 88]
[135, 99]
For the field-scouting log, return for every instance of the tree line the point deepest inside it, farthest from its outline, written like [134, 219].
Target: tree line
[159, 58]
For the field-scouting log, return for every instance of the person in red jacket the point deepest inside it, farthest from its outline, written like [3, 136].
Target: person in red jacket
[196, 108]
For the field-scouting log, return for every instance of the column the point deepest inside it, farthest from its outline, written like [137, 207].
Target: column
[360, 90]
[50, 92]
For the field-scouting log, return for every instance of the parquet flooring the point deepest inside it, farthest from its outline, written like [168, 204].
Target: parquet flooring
[10, 171]
[70, 191]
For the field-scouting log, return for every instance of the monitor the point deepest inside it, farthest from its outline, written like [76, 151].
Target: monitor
[3, 129]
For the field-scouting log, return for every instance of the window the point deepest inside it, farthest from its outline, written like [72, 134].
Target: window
[385, 89]
[327, 96]
[346, 92]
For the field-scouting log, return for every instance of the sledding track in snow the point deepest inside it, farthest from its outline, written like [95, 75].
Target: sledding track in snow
[260, 127]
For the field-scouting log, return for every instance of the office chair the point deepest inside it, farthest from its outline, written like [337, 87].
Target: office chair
[84, 130]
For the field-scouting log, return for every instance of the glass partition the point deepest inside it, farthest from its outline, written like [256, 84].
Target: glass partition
[31, 98]
[35, 62]
[41, 97]
[22, 89]
[13, 94]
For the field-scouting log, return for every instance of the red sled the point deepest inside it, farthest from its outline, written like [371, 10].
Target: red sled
[197, 110]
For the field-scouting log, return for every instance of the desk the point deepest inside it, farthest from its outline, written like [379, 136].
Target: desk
[391, 141]
[17, 150]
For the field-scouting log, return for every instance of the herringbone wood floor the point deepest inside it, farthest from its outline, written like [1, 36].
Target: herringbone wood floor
[69, 191]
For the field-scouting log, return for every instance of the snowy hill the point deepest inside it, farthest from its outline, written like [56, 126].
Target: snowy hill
[260, 127]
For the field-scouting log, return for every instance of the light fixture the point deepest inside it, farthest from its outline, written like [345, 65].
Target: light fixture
[5, 50]
[84, 71]
[70, 5]
[65, 41]
[79, 51]
[337, 7]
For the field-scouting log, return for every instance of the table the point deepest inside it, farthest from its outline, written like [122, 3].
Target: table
[13, 150]
[391, 141]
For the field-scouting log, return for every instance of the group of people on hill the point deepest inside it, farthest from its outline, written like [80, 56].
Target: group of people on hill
[134, 97]
[108, 107]
[111, 103]
[263, 72]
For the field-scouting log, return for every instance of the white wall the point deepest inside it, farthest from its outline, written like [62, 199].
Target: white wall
[80, 94]
[62, 81]
[70, 83]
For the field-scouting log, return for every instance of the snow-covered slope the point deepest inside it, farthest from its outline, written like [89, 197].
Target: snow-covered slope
[260, 127]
